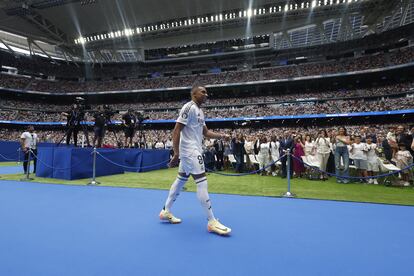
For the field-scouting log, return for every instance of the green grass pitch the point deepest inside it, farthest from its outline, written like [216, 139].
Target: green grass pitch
[252, 185]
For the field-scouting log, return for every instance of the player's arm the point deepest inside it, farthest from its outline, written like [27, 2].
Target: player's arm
[211, 134]
[176, 143]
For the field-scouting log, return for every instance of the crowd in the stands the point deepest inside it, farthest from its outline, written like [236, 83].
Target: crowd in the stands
[157, 80]
[381, 98]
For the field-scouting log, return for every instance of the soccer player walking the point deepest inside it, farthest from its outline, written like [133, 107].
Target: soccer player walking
[187, 144]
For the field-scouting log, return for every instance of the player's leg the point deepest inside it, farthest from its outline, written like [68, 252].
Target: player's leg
[200, 179]
[175, 189]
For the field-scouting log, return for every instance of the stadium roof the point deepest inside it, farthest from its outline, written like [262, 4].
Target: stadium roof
[68, 23]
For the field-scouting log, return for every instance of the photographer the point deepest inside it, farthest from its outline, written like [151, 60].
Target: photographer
[130, 123]
[100, 126]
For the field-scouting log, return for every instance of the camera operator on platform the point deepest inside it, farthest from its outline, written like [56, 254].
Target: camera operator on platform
[99, 127]
[74, 118]
[130, 123]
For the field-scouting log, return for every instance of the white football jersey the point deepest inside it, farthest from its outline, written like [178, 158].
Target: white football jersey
[192, 134]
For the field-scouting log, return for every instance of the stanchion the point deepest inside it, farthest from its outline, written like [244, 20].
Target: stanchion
[93, 181]
[18, 156]
[27, 178]
[288, 193]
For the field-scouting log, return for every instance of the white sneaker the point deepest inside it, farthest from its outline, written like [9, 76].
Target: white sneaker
[375, 181]
[406, 183]
[215, 226]
[166, 215]
[370, 181]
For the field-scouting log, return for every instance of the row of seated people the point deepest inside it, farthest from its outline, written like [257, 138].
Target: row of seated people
[283, 72]
[299, 108]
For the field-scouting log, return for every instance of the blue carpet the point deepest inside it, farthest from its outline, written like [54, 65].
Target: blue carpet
[78, 230]
[12, 169]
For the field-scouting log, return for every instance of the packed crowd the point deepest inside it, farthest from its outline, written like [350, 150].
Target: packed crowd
[279, 97]
[234, 109]
[131, 81]
[368, 148]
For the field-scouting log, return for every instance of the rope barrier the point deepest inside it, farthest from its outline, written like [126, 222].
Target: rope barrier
[248, 173]
[354, 177]
[6, 158]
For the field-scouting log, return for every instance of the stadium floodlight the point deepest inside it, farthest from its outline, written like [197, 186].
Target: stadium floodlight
[255, 12]
[128, 32]
[249, 13]
[286, 7]
[313, 4]
[220, 17]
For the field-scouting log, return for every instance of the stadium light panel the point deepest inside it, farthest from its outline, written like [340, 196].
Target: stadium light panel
[313, 4]
[220, 17]
[249, 13]
[286, 7]
[254, 12]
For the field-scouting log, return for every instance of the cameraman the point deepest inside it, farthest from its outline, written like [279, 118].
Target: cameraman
[130, 123]
[99, 126]
[74, 118]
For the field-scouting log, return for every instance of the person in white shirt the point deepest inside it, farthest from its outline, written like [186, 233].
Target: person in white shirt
[159, 145]
[263, 155]
[323, 150]
[28, 142]
[274, 152]
[372, 160]
[403, 159]
[309, 146]
[187, 143]
[169, 146]
[359, 152]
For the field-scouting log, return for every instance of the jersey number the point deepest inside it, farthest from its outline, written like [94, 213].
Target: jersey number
[200, 159]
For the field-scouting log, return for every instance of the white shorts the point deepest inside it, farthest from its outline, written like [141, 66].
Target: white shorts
[193, 164]
[373, 166]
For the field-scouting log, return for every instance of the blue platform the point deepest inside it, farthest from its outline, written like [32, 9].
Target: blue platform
[76, 163]
[82, 230]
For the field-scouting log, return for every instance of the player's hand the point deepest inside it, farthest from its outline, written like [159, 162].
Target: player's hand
[174, 161]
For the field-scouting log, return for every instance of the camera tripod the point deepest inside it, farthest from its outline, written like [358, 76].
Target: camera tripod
[73, 127]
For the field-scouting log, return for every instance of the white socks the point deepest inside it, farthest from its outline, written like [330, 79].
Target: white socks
[202, 195]
[175, 190]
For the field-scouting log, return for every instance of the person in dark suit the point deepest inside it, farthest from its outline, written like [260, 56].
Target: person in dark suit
[237, 145]
[404, 138]
[219, 149]
[286, 143]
